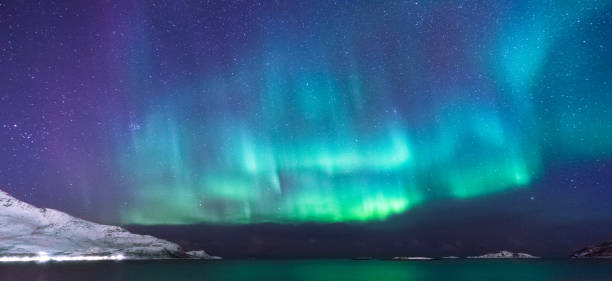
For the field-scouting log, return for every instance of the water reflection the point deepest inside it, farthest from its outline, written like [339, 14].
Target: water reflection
[314, 270]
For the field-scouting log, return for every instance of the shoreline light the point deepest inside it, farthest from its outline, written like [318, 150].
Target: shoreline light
[44, 257]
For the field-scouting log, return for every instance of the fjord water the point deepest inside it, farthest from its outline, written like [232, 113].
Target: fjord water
[315, 270]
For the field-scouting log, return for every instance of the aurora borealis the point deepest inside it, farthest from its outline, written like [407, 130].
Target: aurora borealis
[355, 114]
[238, 112]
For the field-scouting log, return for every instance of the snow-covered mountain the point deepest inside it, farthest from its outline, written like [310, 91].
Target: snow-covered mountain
[603, 250]
[504, 255]
[411, 258]
[27, 231]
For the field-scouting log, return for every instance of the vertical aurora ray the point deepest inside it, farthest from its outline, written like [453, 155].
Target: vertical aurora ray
[311, 118]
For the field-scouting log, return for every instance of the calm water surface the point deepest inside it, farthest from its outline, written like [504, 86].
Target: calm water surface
[316, 270]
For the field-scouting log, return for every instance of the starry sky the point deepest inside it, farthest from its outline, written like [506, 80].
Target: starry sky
[395, 116]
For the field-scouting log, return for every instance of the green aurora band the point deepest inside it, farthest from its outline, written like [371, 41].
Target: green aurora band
[345, 126]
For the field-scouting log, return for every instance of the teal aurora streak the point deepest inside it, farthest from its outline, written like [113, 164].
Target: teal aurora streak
[363, 113]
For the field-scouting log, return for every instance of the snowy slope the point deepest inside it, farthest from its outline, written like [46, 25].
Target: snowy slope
[603, 250]
[505, 255]
[26, 230]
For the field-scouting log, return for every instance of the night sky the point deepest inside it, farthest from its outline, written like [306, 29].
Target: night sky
[315, 128]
